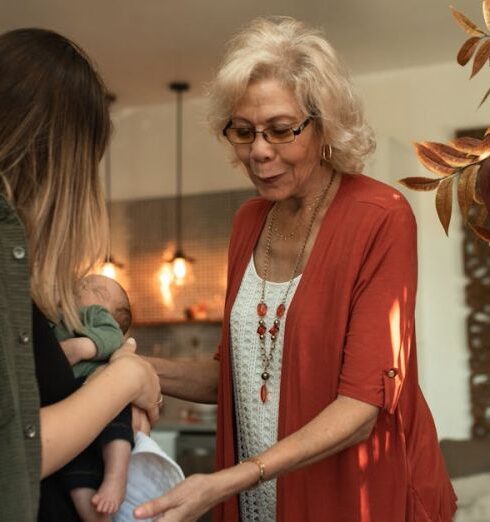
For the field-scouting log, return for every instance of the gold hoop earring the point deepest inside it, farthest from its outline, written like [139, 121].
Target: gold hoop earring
[324, 153]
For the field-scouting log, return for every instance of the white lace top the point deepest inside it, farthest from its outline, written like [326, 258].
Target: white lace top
[256, 421]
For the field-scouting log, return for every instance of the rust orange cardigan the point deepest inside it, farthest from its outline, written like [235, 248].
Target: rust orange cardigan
[349, 330]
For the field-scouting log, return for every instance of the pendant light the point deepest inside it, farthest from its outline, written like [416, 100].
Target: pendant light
[110, 266]
[180, 263]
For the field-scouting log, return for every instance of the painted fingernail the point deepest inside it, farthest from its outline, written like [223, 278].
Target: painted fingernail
[131, 340]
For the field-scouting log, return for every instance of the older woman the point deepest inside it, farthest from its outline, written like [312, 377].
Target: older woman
[320, 413]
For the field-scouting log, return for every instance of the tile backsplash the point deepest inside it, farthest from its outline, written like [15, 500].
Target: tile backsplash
[190, 340]
[143, 235]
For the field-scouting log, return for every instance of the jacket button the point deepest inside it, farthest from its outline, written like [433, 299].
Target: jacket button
[29, 431]
[24, 338]
[393, 372]
[19, 252]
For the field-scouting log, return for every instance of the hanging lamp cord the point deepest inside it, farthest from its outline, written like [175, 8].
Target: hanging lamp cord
[178, 170]
[108, 192]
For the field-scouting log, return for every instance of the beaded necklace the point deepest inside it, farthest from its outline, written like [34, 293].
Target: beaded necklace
[291, 235]
[266, 356]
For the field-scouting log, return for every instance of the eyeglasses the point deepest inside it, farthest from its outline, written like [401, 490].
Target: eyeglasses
[244, 135]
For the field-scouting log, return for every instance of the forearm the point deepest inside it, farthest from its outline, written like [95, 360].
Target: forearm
[342, 424]
[69, 426]
[78, 349]
[195, 381]
[349, 431]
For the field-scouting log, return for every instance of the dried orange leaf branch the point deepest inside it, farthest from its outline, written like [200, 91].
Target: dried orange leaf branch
[464, 162]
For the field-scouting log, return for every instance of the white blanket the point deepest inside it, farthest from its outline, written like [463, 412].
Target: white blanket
[151, 474]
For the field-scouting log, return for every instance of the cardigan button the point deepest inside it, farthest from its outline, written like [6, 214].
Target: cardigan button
[393, 372]
[30, 431]
[24, 338]
[19, 252]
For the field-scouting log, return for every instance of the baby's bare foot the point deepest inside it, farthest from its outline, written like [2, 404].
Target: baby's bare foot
[110, 494]
[86, 510]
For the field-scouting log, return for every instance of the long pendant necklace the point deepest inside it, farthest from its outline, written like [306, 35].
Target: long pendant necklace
[293, 233]
[267, 356]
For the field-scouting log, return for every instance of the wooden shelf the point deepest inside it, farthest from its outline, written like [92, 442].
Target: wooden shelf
[170, 322]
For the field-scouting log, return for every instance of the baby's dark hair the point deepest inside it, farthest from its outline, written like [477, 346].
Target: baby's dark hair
[122, 313]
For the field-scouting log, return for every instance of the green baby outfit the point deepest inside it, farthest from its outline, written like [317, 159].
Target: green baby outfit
[99, 326]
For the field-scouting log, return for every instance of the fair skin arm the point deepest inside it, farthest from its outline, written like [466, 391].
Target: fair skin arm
[195, 381]
[140, 421]
[67, 427]
[344, 423]
[78, 349]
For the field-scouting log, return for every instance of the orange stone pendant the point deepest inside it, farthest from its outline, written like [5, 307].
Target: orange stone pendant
[280, 310]
[263, 393]
[261, 309]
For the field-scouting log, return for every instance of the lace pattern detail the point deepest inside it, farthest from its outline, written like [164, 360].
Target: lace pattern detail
[256, 422]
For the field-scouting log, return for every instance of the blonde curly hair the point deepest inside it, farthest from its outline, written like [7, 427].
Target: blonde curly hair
[300, 58]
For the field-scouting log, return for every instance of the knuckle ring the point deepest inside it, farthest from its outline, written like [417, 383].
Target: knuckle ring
[160, 401]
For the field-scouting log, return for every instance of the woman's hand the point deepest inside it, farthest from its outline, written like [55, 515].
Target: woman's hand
[197, 494]
[186, 502]
[148, 392]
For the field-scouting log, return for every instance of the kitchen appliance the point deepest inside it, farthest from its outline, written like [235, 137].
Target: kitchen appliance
[195, 453]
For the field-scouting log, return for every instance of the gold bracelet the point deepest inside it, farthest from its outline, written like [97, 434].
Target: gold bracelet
[261, 467]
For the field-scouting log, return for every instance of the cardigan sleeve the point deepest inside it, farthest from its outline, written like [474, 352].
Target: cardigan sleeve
[381, 324]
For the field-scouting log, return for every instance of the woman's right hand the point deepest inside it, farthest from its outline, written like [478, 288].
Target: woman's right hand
[148, 392]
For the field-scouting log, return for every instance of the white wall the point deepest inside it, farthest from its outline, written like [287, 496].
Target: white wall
[403, 106]
[143, 153]
[429, 104]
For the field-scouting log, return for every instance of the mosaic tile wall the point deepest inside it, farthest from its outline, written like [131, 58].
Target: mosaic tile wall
[143, 234]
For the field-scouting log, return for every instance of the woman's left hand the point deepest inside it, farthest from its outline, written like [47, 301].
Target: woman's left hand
[186, 502]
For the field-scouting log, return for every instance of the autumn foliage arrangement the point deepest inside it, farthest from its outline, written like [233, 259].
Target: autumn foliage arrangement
[464, 161]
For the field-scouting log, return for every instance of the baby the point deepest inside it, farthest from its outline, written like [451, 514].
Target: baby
[105, 314]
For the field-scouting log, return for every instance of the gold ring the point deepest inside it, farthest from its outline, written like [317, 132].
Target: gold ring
[160, 401]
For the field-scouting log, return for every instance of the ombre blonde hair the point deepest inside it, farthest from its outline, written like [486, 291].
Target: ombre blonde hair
[54, 128]
[300, 58]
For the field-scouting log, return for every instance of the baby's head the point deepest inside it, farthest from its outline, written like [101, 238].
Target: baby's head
[96, 289]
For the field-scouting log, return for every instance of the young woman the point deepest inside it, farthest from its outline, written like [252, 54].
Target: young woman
[54, 127]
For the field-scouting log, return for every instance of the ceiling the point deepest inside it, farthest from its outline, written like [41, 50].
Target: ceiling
[142, 45]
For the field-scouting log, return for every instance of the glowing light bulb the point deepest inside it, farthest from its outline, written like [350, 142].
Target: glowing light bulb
[109, 270]
[179, 268]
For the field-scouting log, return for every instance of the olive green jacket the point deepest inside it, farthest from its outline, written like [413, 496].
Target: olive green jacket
[20, 446]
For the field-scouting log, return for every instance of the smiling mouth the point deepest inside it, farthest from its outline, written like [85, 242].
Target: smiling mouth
[270, 179]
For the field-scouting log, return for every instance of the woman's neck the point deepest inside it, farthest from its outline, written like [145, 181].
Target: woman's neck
[304, 202]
